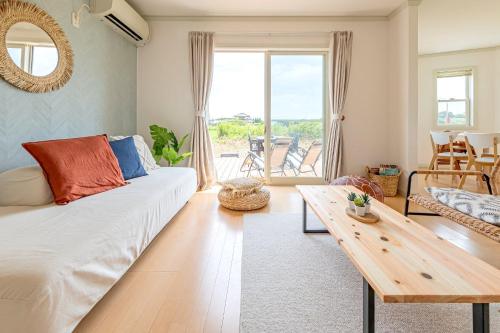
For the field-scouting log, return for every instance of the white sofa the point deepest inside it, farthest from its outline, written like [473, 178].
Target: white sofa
[57, 262]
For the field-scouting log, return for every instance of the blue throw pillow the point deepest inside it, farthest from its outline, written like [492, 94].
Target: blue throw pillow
[128, 158]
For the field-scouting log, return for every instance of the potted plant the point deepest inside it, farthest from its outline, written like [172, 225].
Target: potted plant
[360, 206]
[350, 198]
[367, 200]
[167, 146]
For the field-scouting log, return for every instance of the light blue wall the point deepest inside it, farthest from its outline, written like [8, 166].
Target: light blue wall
[99, 98]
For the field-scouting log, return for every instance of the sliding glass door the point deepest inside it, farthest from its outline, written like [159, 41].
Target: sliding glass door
[266, 115]
[296, 104]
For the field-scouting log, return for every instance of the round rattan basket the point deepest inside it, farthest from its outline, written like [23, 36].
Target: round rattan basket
[389, 184]
[252, 201]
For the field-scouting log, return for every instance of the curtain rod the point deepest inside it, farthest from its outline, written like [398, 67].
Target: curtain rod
[269, 34]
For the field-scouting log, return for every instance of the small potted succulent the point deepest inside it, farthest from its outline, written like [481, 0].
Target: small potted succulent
[360, 206]
[350, 198]
[367, 200]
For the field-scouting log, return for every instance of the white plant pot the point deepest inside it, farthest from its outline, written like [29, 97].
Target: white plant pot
[367, 206]
[360, 211]
[352, 206]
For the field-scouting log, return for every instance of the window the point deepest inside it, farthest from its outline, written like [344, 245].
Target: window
[44, 60]
[16, 53]
[455, 92]
[36, 59]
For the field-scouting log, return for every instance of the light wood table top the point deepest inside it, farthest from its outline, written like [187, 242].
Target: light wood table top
[403, 261]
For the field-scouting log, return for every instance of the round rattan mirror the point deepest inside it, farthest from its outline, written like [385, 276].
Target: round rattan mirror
[34, 53]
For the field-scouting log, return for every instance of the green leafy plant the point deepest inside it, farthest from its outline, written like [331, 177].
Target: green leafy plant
[366, 198]
[167, 146]
[351, 196]
[359, 202]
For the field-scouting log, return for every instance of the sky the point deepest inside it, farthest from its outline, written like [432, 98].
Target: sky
[238, 86]
[451, 87]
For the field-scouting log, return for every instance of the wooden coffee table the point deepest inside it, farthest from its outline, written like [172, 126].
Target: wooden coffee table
[402, 261]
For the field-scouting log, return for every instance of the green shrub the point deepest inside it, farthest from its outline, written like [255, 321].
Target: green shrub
[234, 129]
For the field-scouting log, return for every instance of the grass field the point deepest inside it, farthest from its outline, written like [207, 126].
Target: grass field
[231, 135]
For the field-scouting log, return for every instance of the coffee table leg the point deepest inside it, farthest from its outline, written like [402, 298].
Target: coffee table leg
[304, 222]
[481, 318]
[368, 308]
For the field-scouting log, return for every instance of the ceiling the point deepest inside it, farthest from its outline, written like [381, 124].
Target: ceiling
[452, 25]
[265, 7]
[444, 25]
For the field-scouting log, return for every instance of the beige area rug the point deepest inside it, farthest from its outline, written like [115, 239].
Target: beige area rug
[293, 282]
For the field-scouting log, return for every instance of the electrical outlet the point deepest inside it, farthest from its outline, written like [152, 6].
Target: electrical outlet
[75, 19]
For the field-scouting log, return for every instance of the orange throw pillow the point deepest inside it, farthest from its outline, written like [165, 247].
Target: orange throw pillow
[78, 167]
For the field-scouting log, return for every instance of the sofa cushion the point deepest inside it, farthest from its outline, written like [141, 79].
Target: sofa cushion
[484, 207]
[239, 187]
[24, 187]
[78, 167]
[147, 159]
[128, 158]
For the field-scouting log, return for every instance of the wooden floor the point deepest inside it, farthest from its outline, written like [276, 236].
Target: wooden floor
[188, 280]
[229, 168]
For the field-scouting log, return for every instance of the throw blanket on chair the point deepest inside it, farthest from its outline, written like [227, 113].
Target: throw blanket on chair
[481, 206]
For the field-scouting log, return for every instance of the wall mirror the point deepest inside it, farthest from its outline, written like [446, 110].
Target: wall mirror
[31, 49]
[34, 53]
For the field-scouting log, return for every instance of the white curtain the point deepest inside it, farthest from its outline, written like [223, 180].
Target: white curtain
[201, 58]
[338, 83]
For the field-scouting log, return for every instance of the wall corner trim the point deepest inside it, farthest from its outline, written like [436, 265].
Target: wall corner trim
[457, 52]
[404, 5]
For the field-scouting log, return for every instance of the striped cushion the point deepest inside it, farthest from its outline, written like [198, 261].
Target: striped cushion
[481, 206]
[145, 155]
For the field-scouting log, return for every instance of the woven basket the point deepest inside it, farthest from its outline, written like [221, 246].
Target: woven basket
[252, 201]
[389, 184]
[487, 229]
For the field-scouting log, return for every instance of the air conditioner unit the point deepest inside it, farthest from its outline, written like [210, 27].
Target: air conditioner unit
[122, 18]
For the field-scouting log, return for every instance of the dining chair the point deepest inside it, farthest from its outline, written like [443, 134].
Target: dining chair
[254, 144]
[495, 177]
[294, 147]
[439, 139]
[482, 152]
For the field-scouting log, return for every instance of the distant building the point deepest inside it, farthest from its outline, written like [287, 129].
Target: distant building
[243, 116]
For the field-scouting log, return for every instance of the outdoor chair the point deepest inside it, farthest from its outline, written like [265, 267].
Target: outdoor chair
[294, 147]
[304, 161]
[279, 153]
[255, 146]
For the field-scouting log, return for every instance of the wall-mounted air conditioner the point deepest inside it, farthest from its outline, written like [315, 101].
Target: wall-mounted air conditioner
[122, 18]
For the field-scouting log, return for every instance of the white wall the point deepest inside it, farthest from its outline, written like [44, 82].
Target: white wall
[164, 90]
[487, 93]
[403, 90]
[454, 25]
[496, 88]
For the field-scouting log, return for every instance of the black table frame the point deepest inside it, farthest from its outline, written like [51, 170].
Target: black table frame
[480, 311]
[304, 222]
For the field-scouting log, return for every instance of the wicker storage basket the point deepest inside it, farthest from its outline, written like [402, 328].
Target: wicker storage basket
[389, 184]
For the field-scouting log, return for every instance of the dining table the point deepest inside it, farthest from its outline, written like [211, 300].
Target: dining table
[260, 141]
[460, 136]
[460, 142]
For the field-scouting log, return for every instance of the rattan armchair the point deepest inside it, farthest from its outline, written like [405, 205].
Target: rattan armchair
[438, 209]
